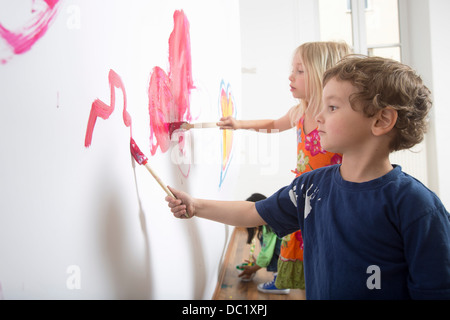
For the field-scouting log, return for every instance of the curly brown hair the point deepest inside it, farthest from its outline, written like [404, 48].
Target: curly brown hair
[385, 83]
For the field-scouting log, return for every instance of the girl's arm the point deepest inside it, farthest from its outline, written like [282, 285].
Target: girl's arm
[282, 124]
[235, 213]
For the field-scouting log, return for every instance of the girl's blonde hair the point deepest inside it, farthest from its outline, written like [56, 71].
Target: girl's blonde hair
[318, 57]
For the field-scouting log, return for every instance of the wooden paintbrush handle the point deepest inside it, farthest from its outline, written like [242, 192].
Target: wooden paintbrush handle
[208, 124]
[169, 193]
[199, 125]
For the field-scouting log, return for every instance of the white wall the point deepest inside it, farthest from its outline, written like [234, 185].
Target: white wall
[69, 213]
[440, 49]
[428, 26]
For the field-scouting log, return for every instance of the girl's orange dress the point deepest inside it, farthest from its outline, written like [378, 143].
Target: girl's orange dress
[310, 156]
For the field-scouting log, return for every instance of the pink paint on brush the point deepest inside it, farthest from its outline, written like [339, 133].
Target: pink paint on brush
[137, 154]
[103, 110]
[169, 95]
[21, 40]
[142, 159]
[173, 126]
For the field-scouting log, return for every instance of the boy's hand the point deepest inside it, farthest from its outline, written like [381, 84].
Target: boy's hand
[183, 206]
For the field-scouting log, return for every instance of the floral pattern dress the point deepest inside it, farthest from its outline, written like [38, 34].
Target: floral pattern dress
[310, 156]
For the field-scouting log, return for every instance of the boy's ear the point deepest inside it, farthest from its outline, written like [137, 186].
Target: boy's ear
[385, 120]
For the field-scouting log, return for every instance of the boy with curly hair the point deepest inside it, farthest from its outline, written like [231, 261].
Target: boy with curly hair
[370, 231]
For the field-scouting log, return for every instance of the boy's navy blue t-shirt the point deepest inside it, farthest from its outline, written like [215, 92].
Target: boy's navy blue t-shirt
[384, 239]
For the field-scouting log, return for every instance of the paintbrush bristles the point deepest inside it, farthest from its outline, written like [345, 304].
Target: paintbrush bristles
[137, 154]
[173, 126]
[183, 125]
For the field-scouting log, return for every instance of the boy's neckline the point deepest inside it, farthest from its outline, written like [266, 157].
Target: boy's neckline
[360, 169]
[361, 185]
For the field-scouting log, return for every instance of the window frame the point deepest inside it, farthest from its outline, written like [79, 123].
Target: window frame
[359, 30]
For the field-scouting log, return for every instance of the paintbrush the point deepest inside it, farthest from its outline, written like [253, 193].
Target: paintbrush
[143, 160]
[183, 125]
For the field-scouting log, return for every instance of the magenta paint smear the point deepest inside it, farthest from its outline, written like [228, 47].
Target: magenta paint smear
[180, 73]
[169, 95]
[160, 107]
[103, 110]
[21, 40]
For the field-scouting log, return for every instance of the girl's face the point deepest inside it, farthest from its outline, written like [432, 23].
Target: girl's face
[297, 78]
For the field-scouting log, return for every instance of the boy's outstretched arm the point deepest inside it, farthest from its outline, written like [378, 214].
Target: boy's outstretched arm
[235, 213]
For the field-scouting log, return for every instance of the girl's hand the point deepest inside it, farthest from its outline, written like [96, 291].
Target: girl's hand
[228, 123]
[182, 204]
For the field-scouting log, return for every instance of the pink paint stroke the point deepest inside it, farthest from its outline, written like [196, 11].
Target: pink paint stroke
[20, 41]
[103, 110]
[169, 95]
[180, 73]
[160, 108]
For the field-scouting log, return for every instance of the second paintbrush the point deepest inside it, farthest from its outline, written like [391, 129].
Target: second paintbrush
[183, 125]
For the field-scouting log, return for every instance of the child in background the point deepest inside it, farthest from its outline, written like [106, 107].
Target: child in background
[370, 230]
[267, 257]
[249, 268]
[309, 63]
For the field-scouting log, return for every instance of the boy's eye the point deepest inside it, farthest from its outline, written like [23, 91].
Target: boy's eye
[332, 108]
